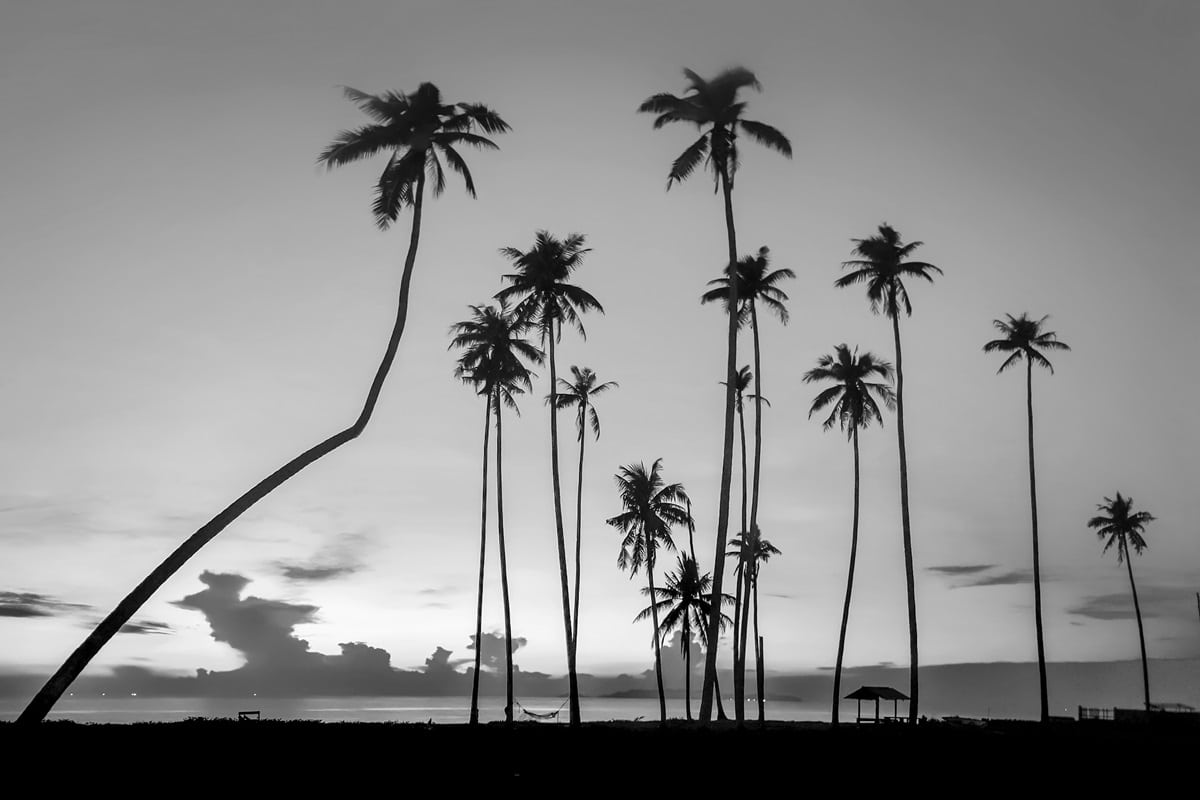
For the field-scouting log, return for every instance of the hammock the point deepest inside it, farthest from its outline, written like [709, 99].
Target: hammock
[541, 715]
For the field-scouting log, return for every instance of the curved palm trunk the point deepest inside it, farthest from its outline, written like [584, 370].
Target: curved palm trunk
[662, 696]
[687, 667]
[1137, 609]
[1037, 569]
[758, 442]
[508, 649]
[837, 670]
[907, 530]
[714, 620]
[741, 601]
[578, 528]
[48, 695]
[572, 677]
[487, 429]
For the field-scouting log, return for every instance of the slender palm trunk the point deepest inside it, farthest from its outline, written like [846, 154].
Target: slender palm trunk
[487, 429]
[687, 668]
[1137, 610]
[48, 695]
[837, 670]
[714, 620]
[578, 528]
[741, 599]
[508, 648]
[907, 530]
[1037, 568]
[758, 655]
[758, 443]
[572, 678]
[662, 696]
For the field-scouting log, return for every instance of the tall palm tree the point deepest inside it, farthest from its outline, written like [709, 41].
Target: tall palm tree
[492, 364]
[751, 550]
[1120, 525]
[882, 265]
[579, 393]
[854, 403]
[651, 508]
[684, 604]
[757, 283]
[715, 108]
[1024, 338]
[411, 129]
[547, 300]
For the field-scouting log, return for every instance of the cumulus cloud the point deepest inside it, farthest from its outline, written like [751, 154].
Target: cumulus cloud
[32, 604]
[491, 657]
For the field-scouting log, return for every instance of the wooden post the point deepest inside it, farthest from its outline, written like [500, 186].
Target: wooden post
[877, 709]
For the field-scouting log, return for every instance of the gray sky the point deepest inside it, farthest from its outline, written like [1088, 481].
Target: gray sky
[188, 302]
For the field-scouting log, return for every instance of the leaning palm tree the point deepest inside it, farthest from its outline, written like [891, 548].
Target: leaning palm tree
[651, 508]
[684, 604]
[853, 398]
[579, 393]
[491, 363]
[714, 107]
[881, 264]
[1024, 338]
[1120, 525]
[547, 300]
[411, 129]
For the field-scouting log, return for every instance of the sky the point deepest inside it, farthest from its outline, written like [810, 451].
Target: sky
[188, 302]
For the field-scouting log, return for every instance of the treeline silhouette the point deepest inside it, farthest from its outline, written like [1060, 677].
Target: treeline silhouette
[421, 135]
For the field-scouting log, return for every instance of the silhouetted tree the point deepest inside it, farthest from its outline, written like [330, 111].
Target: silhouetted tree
[881, 264]
[684, 603]
[547, 300]
[651, 508]
[1118, 524]
[412, 129]
[853, 409]
[1023, 338]
[714, 107]
[752, 550]
[578, 393]
[491, 364]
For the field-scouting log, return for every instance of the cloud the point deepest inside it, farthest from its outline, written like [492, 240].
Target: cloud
[31, 604]
[1156, 601]
[957, 570]
[301, 572]
[491, 657]
[1012, 577]
[145, 626]
[336, 560]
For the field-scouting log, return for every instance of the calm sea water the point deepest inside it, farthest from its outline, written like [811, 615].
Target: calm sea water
[376, 709]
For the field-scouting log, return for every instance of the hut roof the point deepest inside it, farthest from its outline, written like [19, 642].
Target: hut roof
[876, 693]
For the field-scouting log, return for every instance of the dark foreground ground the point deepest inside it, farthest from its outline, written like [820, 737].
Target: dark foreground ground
[273, 757]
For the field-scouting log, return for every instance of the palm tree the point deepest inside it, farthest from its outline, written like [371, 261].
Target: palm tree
[411, 129]
[579, 393]
[853, 397]
[547, 301]
[1023, 338]
[881, 265]
[684, 602]
[651, 508]
[714, 107]
[491, 364]
[751, 549]
[1119, 524]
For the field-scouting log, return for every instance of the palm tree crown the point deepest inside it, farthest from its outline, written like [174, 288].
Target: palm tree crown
[713, 107]
[1119, 524]
[744, 378]
[492, 352]
[651, 509]
[540, 282]
[685, 596]
[757, 283]
[412, 129]
[882, 266]
[578, 393]
[1024, 338]
[752, 549]
[854, 396]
